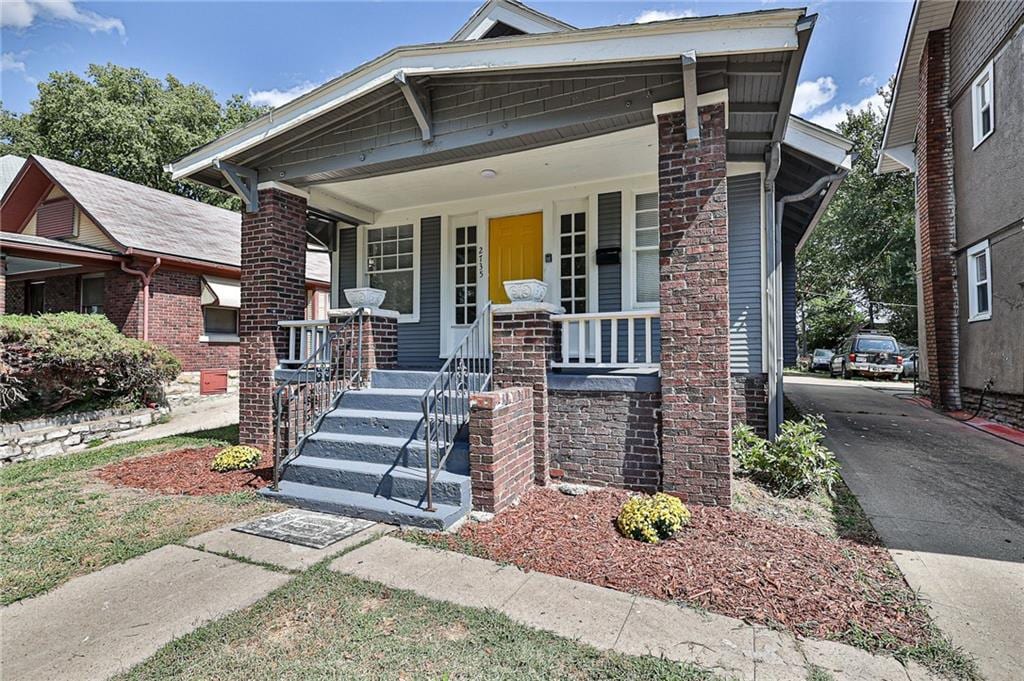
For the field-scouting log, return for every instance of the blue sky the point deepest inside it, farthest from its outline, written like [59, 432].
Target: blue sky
[271, 51]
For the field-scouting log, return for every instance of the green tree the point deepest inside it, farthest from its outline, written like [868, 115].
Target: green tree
[124, 122]
[864, 244]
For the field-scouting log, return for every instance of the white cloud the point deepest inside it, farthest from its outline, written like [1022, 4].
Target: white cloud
[813, 94]
[11, 62]
[868, 81]
[23, 13]
[649, 15]
[276, 97]
[833, 116]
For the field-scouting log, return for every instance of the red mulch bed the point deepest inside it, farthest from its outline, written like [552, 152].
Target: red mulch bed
[185, 471]
[727, 561]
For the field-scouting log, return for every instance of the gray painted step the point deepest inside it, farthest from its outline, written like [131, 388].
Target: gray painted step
[408, 380]
[391, 451]
[386, 399]
[404, 424]
[360, 505]
[377, 479]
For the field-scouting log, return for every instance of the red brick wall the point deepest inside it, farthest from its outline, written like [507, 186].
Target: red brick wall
[523, 344]
[122, 302]
[61, 294]
[273, 290]
[750, 401]
[694, 298]
[936, 224]
[606, 438]
[500, 447]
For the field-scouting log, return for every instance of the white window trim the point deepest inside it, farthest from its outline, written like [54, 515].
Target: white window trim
[219, 337]
[361, 273]
[986, 73]
[81, 290]
[972, 281]
[628, 258]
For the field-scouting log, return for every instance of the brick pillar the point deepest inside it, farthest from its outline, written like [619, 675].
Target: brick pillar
[524, 340]
[937, 224]
[695, 382]
[273, 290]
[379, 337]
[501, 447]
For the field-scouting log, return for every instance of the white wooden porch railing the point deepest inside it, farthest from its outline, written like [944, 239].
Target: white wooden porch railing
[584, 337]
[304, 336]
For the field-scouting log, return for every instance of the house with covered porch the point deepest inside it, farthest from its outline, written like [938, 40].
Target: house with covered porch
[584, 240]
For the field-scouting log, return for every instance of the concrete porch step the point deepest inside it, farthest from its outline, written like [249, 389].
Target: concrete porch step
[390, 451]
[361, 505]
[410, 380]
[404, 424]
[387, 399]
[377, 479]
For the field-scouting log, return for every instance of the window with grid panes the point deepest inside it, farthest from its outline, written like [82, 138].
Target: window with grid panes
[573, 273]
[390, 265]
[645, 248]
[465, 274]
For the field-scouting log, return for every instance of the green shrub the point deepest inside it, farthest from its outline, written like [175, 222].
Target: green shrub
[796, 463]
[55, 362]
[652, 518]
[236, 458]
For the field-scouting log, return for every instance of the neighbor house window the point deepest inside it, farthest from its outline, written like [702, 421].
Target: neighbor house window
[220, 323]
[983, 105]
[645, 249]
[979, 280]
[92, 294]
[390, 266]
[573, 273]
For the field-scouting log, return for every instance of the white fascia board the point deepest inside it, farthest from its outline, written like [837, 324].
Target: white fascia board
[327, 202]
[818, 142]
[820, 212]
[703, 99]
[519, 20]
[896, 159]
[768, 31]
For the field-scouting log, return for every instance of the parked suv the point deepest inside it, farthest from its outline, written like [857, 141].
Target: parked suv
[821, 359]
[868, 354]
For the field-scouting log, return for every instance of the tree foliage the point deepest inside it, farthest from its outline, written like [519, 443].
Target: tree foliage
[863, 248]
[124, 122]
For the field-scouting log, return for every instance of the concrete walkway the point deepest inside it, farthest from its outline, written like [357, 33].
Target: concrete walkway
[613, 620]
[205, 415]
[946, 500]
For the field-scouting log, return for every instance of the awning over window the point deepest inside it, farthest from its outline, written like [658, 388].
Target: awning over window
[221, 292]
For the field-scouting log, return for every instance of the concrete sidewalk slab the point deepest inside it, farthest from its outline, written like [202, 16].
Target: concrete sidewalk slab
[204, 415]
[609, 619]
[225, 540]
[106, 622]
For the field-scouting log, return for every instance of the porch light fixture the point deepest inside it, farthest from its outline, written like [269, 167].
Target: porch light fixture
[488, 174]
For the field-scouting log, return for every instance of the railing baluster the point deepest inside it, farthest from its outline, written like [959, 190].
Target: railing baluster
[581, 340]
[598, 358]
[647, 340]
[565, 342]
[614, 355]
[630, 341]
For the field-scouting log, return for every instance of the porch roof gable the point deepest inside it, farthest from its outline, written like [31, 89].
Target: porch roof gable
[511, 13]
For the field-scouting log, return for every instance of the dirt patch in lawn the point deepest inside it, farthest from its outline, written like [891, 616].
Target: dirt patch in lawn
[727, 561]
[185, 471]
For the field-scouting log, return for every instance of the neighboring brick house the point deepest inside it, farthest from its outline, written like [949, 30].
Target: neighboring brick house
[628, 179]
[957, 121]
[78, 240]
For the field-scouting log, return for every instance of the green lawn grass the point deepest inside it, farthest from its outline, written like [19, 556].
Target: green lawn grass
[59, 521]
[325, 625]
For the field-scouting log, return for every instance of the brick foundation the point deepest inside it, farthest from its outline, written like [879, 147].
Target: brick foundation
[1005, 408]
[606, 438]
[936, 225]
[523, 344]
[501, 448]
[695, 383]
[273, 290]
[750, 401]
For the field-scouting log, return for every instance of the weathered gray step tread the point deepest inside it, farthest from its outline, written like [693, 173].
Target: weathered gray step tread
[371, 468]
[360, 505]
[377, 479]
[381, 449]
[396, 378]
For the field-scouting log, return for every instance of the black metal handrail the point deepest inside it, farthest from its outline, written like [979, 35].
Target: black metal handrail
[445, 402]
[314, 388]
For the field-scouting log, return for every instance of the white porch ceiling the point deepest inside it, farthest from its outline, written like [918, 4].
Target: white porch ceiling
[619, 154]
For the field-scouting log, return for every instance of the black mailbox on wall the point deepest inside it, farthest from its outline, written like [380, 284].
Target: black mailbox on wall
[609, 256]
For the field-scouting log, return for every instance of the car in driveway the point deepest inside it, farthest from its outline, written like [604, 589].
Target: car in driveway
[872, 355]
[910, 355]
[821, 359]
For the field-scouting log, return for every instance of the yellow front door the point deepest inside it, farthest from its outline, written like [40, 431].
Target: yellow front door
[516, 251]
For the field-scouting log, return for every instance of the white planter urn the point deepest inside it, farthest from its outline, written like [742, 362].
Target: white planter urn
[365, 297]
[526, 290]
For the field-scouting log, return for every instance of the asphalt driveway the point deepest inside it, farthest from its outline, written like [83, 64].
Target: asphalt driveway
[947, 500]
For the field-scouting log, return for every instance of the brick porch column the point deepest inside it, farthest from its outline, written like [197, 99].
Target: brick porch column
[379, 339]
[937, 225]
[524, 340]
[273, 290]
[695, 381]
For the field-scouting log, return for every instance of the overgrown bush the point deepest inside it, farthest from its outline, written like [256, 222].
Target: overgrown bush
[54, 362]
[652, 518]
[236, 458]
[796, 463]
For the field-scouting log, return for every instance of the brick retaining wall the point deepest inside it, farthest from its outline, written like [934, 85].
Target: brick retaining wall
[501, 447]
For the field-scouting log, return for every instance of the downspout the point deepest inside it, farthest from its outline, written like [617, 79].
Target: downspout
[145, 276]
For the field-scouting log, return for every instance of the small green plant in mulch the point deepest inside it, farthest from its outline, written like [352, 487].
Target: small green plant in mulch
[236, 458]
[795, 463]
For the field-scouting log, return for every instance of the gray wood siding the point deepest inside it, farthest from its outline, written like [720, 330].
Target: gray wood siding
[789, 346]
[745, 274]
[347, 243]
[609, 235]
[419, 344]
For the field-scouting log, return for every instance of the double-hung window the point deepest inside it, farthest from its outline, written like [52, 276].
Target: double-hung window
[983, 108]
[572, 232]
[646, 279]
[391, 266]
[979, 281]
[92, 294]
